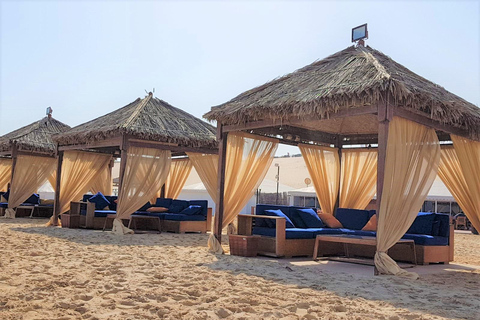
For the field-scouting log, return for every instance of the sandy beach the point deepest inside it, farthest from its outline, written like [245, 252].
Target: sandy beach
[55, 273]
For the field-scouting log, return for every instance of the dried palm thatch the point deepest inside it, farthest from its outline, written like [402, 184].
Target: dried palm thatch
[36, 137]
[149, 119]
[354, 77]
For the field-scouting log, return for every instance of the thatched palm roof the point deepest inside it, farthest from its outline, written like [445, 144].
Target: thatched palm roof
[354, 77]
[35, 137]
[147, 119]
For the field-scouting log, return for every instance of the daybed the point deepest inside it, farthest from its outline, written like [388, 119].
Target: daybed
[295, 236]
[33, 202]
[176, 215]
[180, 216]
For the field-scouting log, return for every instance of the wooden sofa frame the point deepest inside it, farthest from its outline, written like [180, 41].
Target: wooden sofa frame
[279, 246]
[89, 220]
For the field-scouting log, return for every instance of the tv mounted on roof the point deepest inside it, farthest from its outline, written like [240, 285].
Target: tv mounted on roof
[359, 33]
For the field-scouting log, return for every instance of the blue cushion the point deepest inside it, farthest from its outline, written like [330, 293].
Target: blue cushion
[364, 233]
[352, 218]
[297, 219]
[192, 209]
[3, 204]
[331, 231]
[33, 199]
[422, 224]
[99, 200]
[290, 233]
[435, 228]
[177, 206]
[444, 228]
[113, 204]
[184, 217]
[203, 204]
[279, 213]
[86, 197]
[145, 206]
[6, 194]
[161, 215]
[163, 202]
[427, 240]
[103, 213]
[310, 218]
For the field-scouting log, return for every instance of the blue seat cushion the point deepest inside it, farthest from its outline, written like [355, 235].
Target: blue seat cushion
[364, 233]
[352, 218]
[33, 199]
[86, 197]
[3, 204]
[99, 213]
[163, 202]
[278, 213]
[444, 226]
[423, 224]
[331, 231]
[99, 200]
[310, 218]
[113, 204]
[427, 240]
[161, 215]
[184, 217]
[191, 210]
[290, 233]
[297, 219]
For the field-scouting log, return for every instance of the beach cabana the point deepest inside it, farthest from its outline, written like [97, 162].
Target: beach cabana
[28, 159]
[361, 97]
[145, 134]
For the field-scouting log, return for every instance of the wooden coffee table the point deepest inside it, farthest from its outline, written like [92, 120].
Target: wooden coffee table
[358, 240]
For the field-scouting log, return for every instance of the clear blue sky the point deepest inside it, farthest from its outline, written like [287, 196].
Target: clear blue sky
[85, 59]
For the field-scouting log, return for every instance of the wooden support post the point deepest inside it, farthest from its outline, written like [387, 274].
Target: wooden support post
[222, 155]
[339, 145]
[56, 207]
[162, 191]
[14, 162]
[123, 163]
[384, 117]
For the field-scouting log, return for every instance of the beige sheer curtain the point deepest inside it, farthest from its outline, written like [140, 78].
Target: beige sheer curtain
[462, 176]
[206, 166]
[5, 173]
[104, 181]
[323, 164]
[52, 179]
[413, 155]
[30, 173]
[145, 169]
[358, 178]
[248, 158]
[177, 176]
[79, 171]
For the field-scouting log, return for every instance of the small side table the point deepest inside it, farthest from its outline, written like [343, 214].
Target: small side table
[134, 218]
[71, 221]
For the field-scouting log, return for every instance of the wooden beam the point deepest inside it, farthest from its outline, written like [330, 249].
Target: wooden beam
[292, 122]
[339, 146]
[147, 144]
[56, 207]
[222, 155]
[110, 142]
[34, 154]
[428, 122]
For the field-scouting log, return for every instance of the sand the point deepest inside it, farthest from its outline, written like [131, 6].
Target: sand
[55, 273]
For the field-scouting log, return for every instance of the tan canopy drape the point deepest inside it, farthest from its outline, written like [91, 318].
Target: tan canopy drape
[323, 164]
[79, 171]
[413, 155]
[460, 171]
[145, 169]
[206, 166]
[52, 179]
[358, 178]
[248, 158]
[177, 176]
[104, 181]
[5, 173]
[30, 173]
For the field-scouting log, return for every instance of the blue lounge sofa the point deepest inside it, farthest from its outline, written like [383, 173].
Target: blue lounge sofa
[182, 215]
[295, 236]
[33, 200]
[93, 210]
